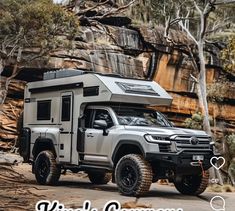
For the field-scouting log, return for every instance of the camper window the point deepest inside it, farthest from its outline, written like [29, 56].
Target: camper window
[66, 108]
[44, 110]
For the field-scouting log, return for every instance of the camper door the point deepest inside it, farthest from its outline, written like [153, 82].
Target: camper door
[66, 121]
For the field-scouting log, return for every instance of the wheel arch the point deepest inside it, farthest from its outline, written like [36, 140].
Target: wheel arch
[125, 147]
[42, 144]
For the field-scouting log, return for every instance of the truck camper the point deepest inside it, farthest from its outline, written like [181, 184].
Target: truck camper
[102, 124]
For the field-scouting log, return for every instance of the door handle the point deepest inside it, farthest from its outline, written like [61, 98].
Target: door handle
[61, 129]
[90, 135]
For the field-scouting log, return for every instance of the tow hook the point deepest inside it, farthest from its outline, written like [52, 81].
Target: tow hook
[203, 171]
[195, 164]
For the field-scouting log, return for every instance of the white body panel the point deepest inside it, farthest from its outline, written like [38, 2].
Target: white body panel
[64, 133]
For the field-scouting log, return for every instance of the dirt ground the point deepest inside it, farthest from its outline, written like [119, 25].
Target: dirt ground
[19, 191]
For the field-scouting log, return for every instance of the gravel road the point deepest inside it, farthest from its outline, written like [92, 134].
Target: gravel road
[19, 191]
[74, 189]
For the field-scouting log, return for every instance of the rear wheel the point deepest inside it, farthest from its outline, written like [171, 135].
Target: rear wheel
[47, 172]
[133, 175]
[192, 184]
[99, 178]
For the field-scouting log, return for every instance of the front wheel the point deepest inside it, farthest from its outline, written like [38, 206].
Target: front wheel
[133, 175]
[192, 184]
[47, 172]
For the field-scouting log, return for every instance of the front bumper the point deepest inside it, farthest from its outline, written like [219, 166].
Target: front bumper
[181, 160]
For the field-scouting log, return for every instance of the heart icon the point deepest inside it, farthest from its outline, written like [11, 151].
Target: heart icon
[215, 160]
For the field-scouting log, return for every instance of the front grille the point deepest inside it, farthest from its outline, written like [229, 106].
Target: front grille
[164, 147]
[183, 143]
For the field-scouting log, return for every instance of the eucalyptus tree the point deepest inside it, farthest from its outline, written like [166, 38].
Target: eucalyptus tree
[201, 21]
[27, 24]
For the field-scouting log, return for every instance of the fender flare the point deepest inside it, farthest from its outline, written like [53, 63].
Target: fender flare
[127, 142]
[41, 142]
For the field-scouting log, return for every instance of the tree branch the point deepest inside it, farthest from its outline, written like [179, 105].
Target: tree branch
[119, 9]
[217, 28]
[188, 32]
[92, 8]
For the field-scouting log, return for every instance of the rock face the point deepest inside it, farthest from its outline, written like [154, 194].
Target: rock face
[179, 83]
[10, 112]
[113, 45]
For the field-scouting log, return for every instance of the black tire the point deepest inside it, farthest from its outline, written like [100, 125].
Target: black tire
[192, 184]
[155, 178]
[133, 175]
[47, 172]
[99, 178]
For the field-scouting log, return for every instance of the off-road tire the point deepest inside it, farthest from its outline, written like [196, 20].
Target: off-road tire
[99, 178]
[47, 172]
[133, 175]
[155, 178]
[195, 185]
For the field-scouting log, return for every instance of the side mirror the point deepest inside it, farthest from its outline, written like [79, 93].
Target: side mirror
[101, 124]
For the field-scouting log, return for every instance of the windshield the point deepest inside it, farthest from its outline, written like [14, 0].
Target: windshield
[140, 117]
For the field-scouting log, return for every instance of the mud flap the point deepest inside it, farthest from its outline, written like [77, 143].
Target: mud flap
[24, 144]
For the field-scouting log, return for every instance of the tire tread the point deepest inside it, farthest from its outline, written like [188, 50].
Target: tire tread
[55, 171]
[146, 174]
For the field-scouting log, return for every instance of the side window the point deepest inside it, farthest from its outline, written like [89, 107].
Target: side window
[66, 108]
[44, 110]
[103, 115]
[161, 120]
[88, 117]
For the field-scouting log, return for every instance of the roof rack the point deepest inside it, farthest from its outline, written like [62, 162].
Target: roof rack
[62, 73]
[110, 74]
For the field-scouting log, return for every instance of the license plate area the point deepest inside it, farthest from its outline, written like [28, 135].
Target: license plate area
[198, 157]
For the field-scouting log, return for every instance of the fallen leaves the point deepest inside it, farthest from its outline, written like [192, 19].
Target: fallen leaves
[15, 194]
[135, 205]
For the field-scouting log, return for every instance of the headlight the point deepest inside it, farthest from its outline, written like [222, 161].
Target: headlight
[212, 143]
[157, 139]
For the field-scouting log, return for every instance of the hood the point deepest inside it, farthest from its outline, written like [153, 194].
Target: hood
[168, 131]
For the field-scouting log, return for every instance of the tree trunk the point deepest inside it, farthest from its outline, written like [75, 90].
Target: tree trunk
[203, 101]
[4, 90]
[1, 65]
[203, 87]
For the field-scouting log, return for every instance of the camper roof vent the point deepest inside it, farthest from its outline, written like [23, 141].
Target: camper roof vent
[62, 73]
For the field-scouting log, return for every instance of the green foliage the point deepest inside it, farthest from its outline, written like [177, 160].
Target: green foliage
[230, 139]
[33, 23]
[231, 168]
[141, 12]
[217, 90]
[228, 55]
[164, 9]
[195, 122]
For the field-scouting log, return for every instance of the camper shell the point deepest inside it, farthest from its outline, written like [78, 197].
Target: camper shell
[79, 121]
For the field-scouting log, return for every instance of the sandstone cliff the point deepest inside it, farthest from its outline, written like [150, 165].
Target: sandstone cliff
[113, 44]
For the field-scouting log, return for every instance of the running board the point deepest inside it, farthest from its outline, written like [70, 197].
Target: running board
[84, 167]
